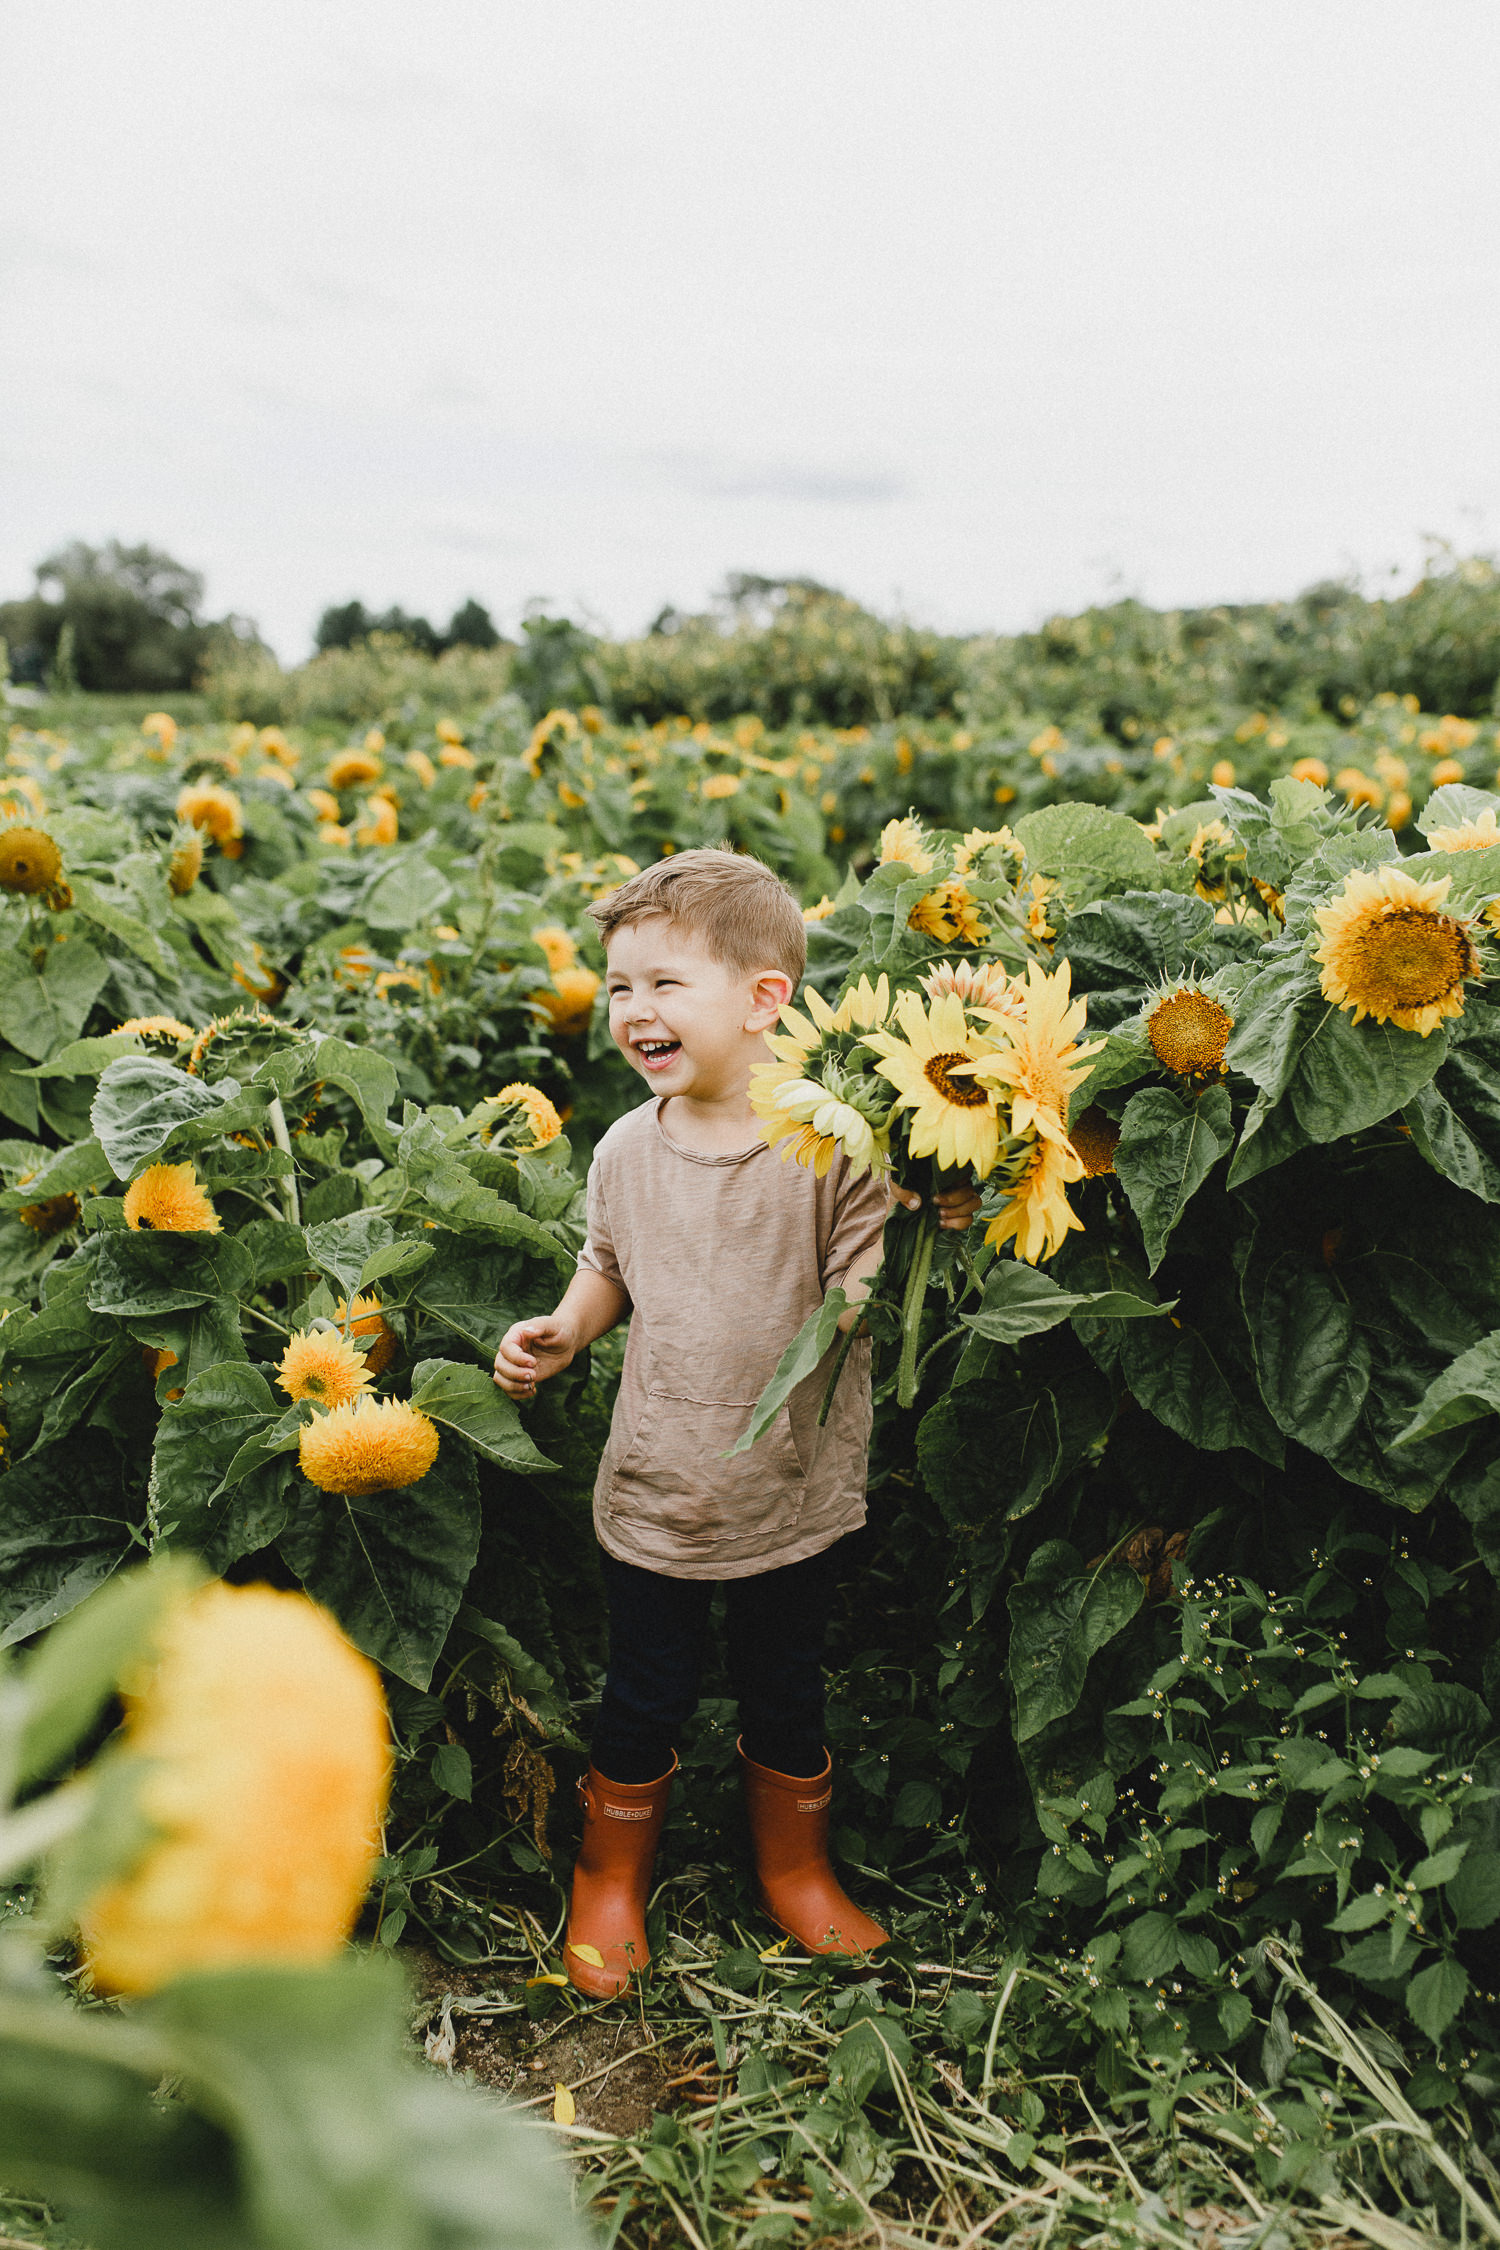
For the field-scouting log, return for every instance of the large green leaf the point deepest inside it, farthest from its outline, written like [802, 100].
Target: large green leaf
[85, 1058]
[1464, 1392]
[364, 1074]
[1195, 1378]
[1088, 849]
[63, 1171]
[392, 1567]
[1018, 1301]
[65, 1526]
[1334, 1076]
[405, 892]
[144, 1275]
[467, 1399]
[147, 1110]
[1169, 1143]
[804, 1353]
[442, 1187]
[117, 921]
[1061, 1616]
[220, 1411]
[1311, 1362]
[479, 1289]
[41, 1010]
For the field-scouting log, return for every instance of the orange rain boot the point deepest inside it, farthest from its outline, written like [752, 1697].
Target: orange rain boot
[798, 1888]
[622, 1823]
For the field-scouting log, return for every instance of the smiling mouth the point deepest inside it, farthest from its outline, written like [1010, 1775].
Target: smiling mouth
[657, 1053]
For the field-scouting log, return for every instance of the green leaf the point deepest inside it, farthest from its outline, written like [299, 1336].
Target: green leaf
[1195, 1380]
[1018, 1301]
[365, 1075]
[443, 1188]
[479, 1289]
[453, 1770]
[118, 922]
[67, 1529]
[404, 893]
[1311, 1362]
[1473, 1896]
[1169, 1143]
[1333, 1076]
[392, 1567]
[85, 1058]
[146, 1275]
[1435, 1995]
[1362, 1913]
[81, 1662]
[1464, 1392]
[466, 1399]
[42, 1011]
[803, 1354]
[1089, 850]
[64, 1171]
[1151, 1949]
[343, 1248]
[222, 1413]
[1454, 804]
[1060, 1619]
[144, 1103]
[1441, 1867]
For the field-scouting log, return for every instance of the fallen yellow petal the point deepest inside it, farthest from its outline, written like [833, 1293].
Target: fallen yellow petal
[564, 2108]
[774, 1952]
[551, 1978]
[589, 1953]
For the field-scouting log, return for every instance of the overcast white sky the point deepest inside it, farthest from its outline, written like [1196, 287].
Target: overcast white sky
[978, 308]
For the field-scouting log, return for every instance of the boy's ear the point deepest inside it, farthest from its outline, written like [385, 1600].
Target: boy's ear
[769, 994]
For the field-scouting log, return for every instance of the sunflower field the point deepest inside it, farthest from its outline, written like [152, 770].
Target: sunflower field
[1166, 1674]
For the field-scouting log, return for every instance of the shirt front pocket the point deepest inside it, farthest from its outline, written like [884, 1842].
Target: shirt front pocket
[673, 1477]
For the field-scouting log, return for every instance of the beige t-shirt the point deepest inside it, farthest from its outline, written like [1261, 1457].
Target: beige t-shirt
[723, 1258]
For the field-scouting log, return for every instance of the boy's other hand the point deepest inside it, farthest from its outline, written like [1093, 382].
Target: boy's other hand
[530, 1351]
[955, 1206]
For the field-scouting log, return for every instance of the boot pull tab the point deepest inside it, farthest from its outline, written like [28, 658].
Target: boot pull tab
[815, 1804]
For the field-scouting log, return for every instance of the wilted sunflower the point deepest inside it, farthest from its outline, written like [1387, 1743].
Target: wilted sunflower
[30, 861]
[951, 1117]
[1390, 952]
[371, 1445]
[905, 841]
[1038, 1062]
[167, 1199]
[366, 1322]
[1189, 1032]
[216, 810]
[569, 1000]
[351, 769]
[264, 1761]
[156, 1027]
[557, 945]
[324, 1366]
[1095, 1137]
[1036, 1214]
[49, 1217]
[185, 863]
[530, 1113]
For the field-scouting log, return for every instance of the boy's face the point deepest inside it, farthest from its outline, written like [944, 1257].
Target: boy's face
[689, 1025]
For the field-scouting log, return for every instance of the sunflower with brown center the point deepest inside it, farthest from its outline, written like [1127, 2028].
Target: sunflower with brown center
[167, 1199]
[371, 1445]
[30, 861]
[1390, 952]
[1095, 1137]
[351, 769]
[1038, 1062]
[49, 1217]
[324, 1366]
[1189, 1032]
[951, 1117]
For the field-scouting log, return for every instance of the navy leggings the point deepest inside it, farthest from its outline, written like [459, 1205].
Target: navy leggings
[776, 1625]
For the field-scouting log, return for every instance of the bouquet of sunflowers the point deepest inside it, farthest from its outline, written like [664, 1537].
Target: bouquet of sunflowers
[963, 1073]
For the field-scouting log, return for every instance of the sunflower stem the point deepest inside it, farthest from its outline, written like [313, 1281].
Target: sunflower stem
[911, 1309]
[276, 1118]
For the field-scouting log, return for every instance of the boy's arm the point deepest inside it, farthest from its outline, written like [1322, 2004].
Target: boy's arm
[956, 1208]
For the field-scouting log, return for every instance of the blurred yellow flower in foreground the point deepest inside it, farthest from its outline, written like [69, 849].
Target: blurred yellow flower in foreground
[264, 1757]
[167, 1199]
[558, 946]
[570, 1001]
[351, 769]
[30, 861]
[721, 785]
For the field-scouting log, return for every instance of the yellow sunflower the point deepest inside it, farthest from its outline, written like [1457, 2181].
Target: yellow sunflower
[1039, 1060]
[371, 1445]
[951, 1117]
[449, 730]
[1189, 1032]
[217, 811]
[558, 946]
[532, 1114]
[905, 841]
[1037, 924]
[323, 803]
[569, 1001]
[1310, 769]
[1391, 953]
[167, 1199]
[820, 1124]
[51, 1216]
[820, 912]
[949, 916]
[186, 863]
[157, 1027]
[381, 824]
[418, 762]
[162, 725]
[365, 1320]
[351, 769]
[264, 1760]
[720, 785]
[324, 1366]
[1469, 836]
[454, 754]
[30, 861]
[1037, 1215]
[980, 840]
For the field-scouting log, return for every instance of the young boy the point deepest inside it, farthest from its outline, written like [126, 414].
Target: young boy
[719, 1252]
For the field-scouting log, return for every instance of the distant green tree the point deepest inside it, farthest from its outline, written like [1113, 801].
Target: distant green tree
[343, 626]
[556, 665]
[131, 616]
[472, 626]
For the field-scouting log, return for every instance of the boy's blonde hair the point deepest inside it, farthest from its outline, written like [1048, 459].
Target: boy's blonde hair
[743, 913]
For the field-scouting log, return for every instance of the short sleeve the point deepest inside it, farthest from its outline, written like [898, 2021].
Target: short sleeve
[858, 1217]
[598, 1252]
